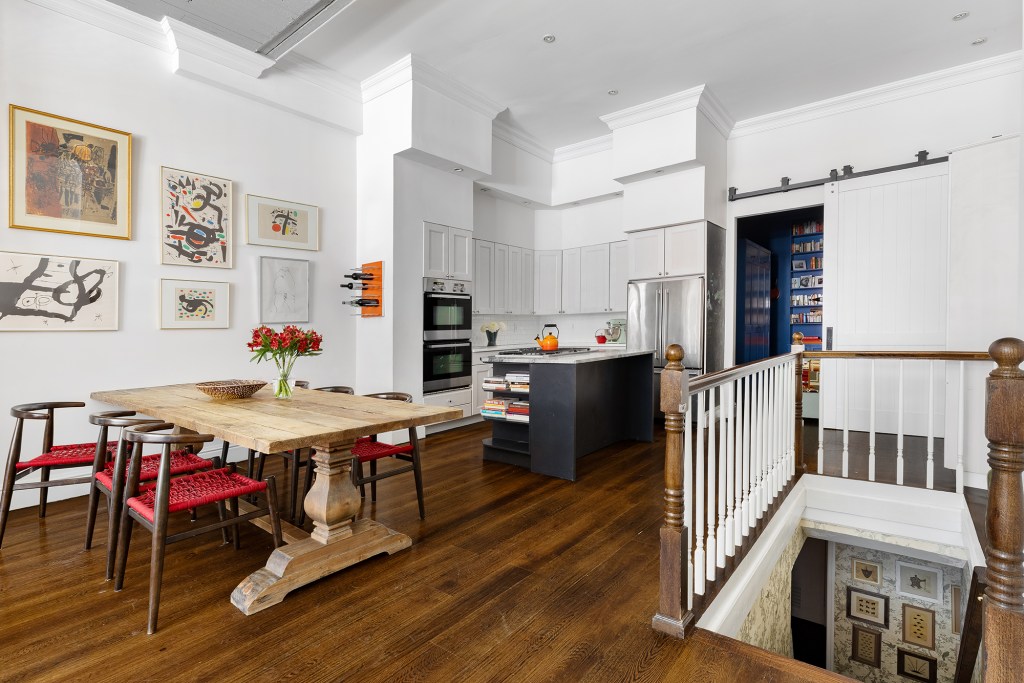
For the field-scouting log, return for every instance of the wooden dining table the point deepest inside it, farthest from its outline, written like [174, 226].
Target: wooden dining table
[328, 423]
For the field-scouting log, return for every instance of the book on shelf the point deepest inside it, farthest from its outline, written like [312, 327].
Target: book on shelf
[494, 384]
[519, 408]
[517, 377]
[808, 228]
[516, 417]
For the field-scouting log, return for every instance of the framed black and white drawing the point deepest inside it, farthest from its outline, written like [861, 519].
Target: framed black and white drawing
[916, 667]
[870, 608]
[193, 304]
[284, 290]
[40, 293]
[867, 572]
[919, 582]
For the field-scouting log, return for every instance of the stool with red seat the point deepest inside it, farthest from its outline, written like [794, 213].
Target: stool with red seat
[150, 504]
[370, 450]
[52, 457]
[108, 476]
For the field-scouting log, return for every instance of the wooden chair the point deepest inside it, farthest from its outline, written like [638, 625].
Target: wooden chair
[151, 504]
[370, 450]
[108, 477]
[51, 457]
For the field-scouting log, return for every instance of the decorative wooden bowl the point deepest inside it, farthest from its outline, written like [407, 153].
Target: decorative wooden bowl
[231, 388]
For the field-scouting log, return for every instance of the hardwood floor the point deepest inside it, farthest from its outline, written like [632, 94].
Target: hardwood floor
[512, 576]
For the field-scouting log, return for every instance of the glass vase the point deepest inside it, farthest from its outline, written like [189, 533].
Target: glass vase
[283, 385]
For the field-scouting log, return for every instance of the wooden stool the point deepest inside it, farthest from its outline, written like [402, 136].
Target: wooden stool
[151, 504]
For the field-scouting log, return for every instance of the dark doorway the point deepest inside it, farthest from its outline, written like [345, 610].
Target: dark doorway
[809, 603]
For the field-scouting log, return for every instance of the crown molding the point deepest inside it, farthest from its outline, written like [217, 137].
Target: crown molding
[412, 68]
[190, 40]
[934, 81]
[517, 137]
[583, 148]
[715, 111]
[315, 73]
[111, 17]
[670, 104]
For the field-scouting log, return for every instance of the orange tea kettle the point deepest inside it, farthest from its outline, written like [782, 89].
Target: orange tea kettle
[548, 342]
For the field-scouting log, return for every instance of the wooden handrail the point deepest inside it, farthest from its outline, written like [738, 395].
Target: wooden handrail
[1004, 554]
[714, 379]
[900, 355]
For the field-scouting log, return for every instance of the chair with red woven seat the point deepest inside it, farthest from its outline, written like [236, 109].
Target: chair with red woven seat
[370, 450]
[108, 476]
[150, 504]
[52, 457]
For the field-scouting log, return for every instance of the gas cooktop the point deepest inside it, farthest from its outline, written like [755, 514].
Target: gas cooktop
[534, 351]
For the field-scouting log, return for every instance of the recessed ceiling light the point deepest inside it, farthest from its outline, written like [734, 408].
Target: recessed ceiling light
[526, 203]
[457, 169]
[613, 93]
[979, 41]
[660, 170]
[960, 16]
[549, 38]
[618, 194]
[575, 203]
[485, 189]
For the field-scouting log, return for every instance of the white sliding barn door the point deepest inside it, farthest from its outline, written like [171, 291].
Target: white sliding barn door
[885, 270]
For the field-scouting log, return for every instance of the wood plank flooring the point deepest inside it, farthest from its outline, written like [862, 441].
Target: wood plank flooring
[512, 577]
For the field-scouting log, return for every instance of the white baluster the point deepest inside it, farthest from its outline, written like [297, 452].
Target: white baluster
[723, 471]
[871, 427]
[712, 489]
[791, 418]
[821, 430]
[899, 430]
[960, 432]
[699, 484]
[846, 418]
[931, 424]
[730, 471]
[756, 449]
[765, 453]
[688, 499]
[773, 432]
[747, 463]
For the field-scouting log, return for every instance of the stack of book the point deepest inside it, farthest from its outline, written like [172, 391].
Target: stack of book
[518, 381]
[518, 411]
[495, 384]
[495, 407]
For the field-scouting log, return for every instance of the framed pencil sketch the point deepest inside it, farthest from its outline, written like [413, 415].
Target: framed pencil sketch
[61, 293]
[866, 572]
[191, 304]
[279, 223]
[870, 608]
[918, 582]
[916, 667]
[866, 647]
[284, 290]
[196, 219]
[919, 626]
[69, 176]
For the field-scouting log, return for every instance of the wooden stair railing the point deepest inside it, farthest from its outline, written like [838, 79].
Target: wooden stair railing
[1003, 632]
[970, 634]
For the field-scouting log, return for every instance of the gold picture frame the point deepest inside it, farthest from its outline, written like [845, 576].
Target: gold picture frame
[866, 571]
[919, 626]
[81, 175]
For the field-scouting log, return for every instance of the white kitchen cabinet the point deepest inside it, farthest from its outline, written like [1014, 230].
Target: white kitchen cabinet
[460, 254]
[570, 281]
[618, 275]
[435, 250]
[548, 282]
[594, 278]
[483, 276]
[479, 395]
[499, 282]
[684, 249]
[515, 280]
[646, 254]
[528, 261]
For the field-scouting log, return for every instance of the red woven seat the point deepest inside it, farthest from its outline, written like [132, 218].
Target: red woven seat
[370, 450]
[182, 462]
[193, 490]
[68, 455]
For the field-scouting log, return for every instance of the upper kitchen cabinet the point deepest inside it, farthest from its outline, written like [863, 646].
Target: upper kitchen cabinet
[668, 252]
[483, 276]
[618, 275]
[594, 279]
[571, 272]
[499, 281]
[515, 280]
[548, 293]
[528, 272]
[646, 254]
[447, 252]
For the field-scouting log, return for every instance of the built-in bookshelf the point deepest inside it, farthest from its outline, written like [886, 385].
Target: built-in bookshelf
[807, 282]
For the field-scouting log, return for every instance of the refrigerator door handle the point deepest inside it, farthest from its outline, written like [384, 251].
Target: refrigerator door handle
[657, 328]
[664, 329]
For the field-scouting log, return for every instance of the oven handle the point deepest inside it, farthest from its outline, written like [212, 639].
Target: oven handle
[432, 345]
[430, 295]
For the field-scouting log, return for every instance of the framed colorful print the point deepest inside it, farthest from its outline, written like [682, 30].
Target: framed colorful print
[196, 219]
[69, 176]
[870, 608]
[191, 304]
[867, 572]
[866, 647]
[43, 293]
[284, 290]
[277, 223]
[918, 582]
[919, 626]
[916, 667]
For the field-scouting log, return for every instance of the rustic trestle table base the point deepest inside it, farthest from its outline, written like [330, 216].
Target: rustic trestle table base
[328, 423]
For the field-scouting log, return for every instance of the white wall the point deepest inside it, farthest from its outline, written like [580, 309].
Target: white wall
[502, 221]
[594, 223]
[86, 73]
[519, 172]
[583, 177]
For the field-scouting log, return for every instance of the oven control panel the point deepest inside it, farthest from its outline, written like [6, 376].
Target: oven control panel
[447, 286]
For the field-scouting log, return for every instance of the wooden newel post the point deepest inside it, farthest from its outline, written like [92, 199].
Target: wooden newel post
[798, 427]
[1003, 637]
[674, 617]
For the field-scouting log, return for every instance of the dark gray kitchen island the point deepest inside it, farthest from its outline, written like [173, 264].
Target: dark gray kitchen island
[578, 404]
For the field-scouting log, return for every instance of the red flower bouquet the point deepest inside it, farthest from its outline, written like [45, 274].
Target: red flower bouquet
[283, 348]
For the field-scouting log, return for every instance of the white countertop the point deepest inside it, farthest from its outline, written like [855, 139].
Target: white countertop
[569, 358]
[589, 344]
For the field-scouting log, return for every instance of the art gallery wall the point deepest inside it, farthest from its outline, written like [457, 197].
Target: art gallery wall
[59, 65]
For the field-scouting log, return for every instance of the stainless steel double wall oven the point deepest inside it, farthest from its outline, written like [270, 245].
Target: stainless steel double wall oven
[447, 327]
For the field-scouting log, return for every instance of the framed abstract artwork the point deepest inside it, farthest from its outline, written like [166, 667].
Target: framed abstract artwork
[866, 647]
[284, 290]
[919, 582]
[867, 572]
[62, 293]
[916, 667]
[69, 176]
[870, 608]
[278, 223]
[196, 219]
[191, 304]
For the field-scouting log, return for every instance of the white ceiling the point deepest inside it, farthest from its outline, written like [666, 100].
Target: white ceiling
[758, 56]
